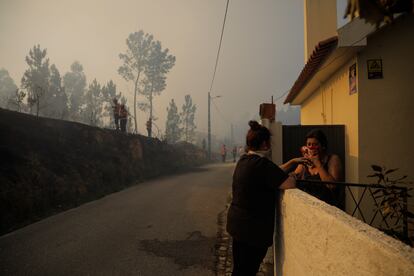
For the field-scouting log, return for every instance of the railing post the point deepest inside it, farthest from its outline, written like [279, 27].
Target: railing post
[405, 218]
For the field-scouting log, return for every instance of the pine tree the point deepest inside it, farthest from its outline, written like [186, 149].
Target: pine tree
[92, 110]
[16, 101]
[56, 101]
[7, 88]
[109, 93]
[187, 119]
[145, 64]
[172, 125]
[159, 64]
[75, 85]
[135, 60]
[36, 79]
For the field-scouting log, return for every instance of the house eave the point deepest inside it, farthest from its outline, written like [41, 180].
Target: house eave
[334, 62]
[329, 55]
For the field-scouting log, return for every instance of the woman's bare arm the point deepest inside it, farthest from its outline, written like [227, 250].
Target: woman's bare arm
[289, 183]
[334, 172]
[299, 171]
[335, 168]
[292, 162]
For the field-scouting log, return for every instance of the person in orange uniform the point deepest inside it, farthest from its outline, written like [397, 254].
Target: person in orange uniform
[116, 108]
[234, 153]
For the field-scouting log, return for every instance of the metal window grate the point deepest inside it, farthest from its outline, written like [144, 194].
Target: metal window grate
[363, 204]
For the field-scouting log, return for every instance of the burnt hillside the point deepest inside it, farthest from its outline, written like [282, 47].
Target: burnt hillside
[48, 165]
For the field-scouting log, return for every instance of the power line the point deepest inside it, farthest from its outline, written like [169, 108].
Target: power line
[281, 96]
[219, 48]
[212, 81]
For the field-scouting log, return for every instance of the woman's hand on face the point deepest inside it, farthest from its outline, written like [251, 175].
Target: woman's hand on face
[303, 160]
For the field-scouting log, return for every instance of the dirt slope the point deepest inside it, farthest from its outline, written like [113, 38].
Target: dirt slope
[48, 165]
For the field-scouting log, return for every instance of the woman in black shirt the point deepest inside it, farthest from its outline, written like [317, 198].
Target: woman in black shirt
[251, 215]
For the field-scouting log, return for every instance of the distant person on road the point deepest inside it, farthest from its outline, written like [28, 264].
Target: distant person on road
[203, 144]
[123, 117]
[223, 153]
[234, 152]
[116, 107]
[251, 215]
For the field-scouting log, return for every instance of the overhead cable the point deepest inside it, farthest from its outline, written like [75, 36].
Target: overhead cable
[219, 48]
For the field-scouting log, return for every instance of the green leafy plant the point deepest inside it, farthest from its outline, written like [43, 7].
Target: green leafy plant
[392, 197]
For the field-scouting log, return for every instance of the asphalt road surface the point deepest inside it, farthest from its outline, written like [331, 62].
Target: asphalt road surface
[165, 226]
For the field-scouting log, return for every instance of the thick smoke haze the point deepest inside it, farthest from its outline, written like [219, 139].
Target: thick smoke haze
[261, 55]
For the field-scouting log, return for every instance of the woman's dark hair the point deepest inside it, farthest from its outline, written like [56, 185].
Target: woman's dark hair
[318, 135]
[256, 135]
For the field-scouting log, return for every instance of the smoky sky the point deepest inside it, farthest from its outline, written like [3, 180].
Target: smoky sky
[261, 55]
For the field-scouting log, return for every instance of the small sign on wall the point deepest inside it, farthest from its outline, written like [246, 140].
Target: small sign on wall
[352, 79]
[374, 68]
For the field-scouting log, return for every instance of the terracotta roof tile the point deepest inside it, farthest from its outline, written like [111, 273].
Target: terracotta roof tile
[319, 55]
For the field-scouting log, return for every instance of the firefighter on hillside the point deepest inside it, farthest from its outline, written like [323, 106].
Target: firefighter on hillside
[204, 144]
[123, 117]
[149, 127]
[116, 109]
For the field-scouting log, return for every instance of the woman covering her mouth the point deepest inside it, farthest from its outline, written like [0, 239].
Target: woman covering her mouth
[321, 166]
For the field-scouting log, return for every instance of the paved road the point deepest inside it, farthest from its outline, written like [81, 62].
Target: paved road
[161, 227]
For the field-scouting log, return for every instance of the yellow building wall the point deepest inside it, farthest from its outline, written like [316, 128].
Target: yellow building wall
[319, 23]
[386, 106]
[332, 104]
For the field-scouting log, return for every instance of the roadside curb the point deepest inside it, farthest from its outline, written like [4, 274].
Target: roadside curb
[224, 262]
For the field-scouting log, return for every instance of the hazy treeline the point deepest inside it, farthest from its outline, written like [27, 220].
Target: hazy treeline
[43, 91]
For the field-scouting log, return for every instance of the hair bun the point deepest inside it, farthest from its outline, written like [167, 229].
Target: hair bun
[254, 125]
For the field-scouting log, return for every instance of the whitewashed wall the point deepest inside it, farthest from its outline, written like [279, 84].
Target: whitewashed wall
[314, 238]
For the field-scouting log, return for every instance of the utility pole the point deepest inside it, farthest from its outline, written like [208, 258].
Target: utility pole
[231, 135]
[209, 130]
[209, 125]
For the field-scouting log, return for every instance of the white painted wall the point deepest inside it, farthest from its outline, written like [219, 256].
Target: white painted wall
[275, 129]
[317, 239]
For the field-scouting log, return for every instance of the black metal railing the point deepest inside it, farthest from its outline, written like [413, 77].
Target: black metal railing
[350, 197]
